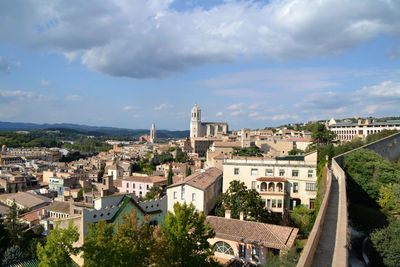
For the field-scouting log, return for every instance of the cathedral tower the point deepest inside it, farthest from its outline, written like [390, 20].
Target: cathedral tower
[153, 133]
[195, 122]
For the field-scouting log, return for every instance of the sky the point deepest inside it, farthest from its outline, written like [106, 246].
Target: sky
[253, 64]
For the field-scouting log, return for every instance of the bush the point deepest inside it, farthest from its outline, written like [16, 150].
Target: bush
[13, 254]
[303, 218]
[387, 242]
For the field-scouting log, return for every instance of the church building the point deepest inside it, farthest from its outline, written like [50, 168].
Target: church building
[205, 129]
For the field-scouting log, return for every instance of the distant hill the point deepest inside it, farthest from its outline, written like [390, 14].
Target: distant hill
[90, 130]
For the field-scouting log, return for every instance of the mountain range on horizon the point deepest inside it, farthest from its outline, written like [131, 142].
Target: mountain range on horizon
[27, 126]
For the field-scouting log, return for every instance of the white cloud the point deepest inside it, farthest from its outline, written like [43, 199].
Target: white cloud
[164, 106]
[129, 107]
[237, 112]
[150, 39]
[253, 114]
[4, 65]
[235, 106]
[253, 106]
[387, 89]
[219, 114]
[17, 95]
[43, 82]
[73, 97]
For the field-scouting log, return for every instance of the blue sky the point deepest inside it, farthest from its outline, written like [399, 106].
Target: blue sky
[129, 63]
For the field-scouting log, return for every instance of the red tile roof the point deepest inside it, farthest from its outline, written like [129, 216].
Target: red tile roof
[262, 234]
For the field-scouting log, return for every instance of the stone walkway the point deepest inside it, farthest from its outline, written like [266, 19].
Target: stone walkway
[326, 246]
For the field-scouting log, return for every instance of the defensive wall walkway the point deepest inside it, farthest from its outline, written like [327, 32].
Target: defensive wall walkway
[327, 242]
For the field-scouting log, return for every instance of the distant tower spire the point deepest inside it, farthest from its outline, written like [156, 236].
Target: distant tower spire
[153, 134]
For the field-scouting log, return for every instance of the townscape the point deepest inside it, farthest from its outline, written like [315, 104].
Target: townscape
[200, 133]
[257, 191]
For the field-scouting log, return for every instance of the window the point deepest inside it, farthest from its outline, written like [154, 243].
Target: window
[236, 171]
[295, 187]
[281, 173]
[175, 195]
[312, 204]
[140, 194]
[279, 203]
[133, 186]
[254, 172]
[310, 187]
[310, 173]
[140, 186]
[147, 187]
[274, 203]
[127, 190]
[127, 185]
[295, 173]
[268, 172]
[224, 248]
[255, 254]
[253, 184]
[242, 251]
[183, 192]
[154, 223]
[193, 196]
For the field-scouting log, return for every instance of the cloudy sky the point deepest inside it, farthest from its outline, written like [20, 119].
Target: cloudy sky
[128, 63]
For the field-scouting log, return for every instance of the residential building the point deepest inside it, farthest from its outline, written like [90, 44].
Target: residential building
[346, 131]
[245, 241]
[283, 182]
[201, 189]
[25, 200]
[141, 185]
[219, 151]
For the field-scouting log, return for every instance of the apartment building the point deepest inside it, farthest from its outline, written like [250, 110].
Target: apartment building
[201, 189]
[283, 182]
[346, 131]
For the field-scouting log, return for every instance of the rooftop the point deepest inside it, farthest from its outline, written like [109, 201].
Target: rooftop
[201, 180]
[262, 234]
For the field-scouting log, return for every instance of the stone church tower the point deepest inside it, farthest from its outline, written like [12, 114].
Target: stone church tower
[153, 133]
[195, 122]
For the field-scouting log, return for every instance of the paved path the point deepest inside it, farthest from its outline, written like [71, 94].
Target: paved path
[326, 246]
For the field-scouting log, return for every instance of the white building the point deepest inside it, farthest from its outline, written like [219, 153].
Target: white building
[201, 189]
[283, 182]
[346, 131]
[205, 129]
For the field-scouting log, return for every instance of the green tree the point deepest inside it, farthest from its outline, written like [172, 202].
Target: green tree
[98, 248]
[387, 242]
[170, 175]
[296, 151]
[181, 156]
[252, 151]
[389, 197]
[134, 241]
[12, 223]
[302, 218]
[187, 235]
[4, 239]
[238, 198]
[321, 135]
[188, 171]
[154, 193]
[58, 247]
[13, 254]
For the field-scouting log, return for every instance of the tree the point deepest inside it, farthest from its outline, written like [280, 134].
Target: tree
[99, 249]
[252, 151]
[187, 236]
[154, 193]
[134, 242]
[389, 197]
[296, 151]
[170, 175]
[238, 198]
[4, 239]
[188, 171]
[302, 218]
[58, 248]
[321, 135]
[13, 254]
[387, 242]
[12, 223]
[181, 156]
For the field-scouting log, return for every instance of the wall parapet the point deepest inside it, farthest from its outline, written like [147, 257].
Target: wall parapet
[307, 256]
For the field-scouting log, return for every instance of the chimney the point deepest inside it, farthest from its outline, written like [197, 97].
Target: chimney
[359, 122]
[242, 216]
[228, 214]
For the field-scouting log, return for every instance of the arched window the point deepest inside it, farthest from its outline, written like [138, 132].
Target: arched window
[263, 186]
[279, 187]
[271, 187]
[224, 248]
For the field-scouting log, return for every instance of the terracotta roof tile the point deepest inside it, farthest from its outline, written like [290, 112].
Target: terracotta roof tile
[201, 180]
[262, 234]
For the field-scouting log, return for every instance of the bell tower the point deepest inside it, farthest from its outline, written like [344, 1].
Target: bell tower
[195, 122]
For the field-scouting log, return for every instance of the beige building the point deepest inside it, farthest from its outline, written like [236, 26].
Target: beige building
[219, 151]
[201, 189]
[346, 131]
[236, 240]
[205, 129]
[283, 182]
[200, 145]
